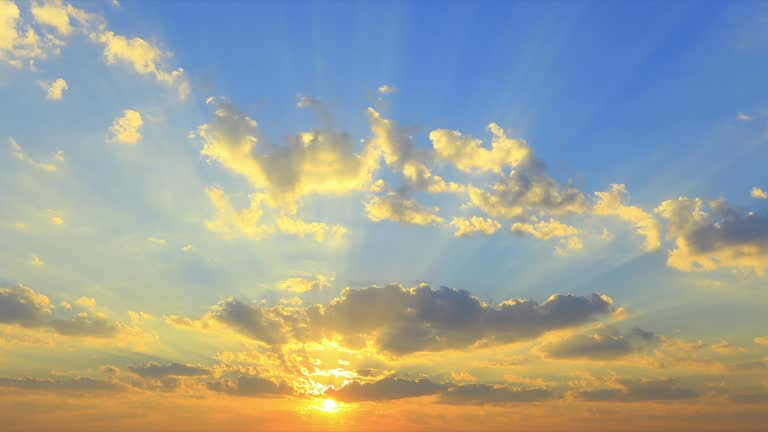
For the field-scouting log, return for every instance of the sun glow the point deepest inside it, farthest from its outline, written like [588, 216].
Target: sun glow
[329, 406]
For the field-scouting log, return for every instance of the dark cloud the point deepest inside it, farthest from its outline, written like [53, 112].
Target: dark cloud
[156, 370]
[410, 320]
[605, 344]
[640, 390]
[527, 190]
[254, 386]
[485, 394]
[711, 235]
[384, 389]
[22, 305]
[77, 385]
[86, 324]
[448, 393]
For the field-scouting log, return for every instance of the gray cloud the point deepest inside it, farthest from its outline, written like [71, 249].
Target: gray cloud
[156, 370]
[605, 344]
[485, 394]
[78, 385]
[640, 390]
[410, 320]
[448, 393]
[384, 389]
[254, 386]
[22, 305]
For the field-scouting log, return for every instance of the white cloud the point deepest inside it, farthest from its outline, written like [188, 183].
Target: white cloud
[125, 129]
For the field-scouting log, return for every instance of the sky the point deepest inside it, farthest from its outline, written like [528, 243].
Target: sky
[337, 215]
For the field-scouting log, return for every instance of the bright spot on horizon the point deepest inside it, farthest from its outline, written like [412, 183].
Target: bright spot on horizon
[329, 406]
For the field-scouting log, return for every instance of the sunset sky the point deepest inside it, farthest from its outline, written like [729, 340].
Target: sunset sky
[377, 216]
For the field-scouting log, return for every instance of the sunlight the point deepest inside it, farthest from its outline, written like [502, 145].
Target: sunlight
[329, 406]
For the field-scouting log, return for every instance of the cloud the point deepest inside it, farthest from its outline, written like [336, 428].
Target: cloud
[522, 191]
[60, 15]
[468, 227]
[44, 166]
[628, 390]
[545, 230]
[399, 151]
[20, 44]
[712, 235]
[392, 388]
[125, 129]
[315, 162]
[154, 370]
[569, 244]
[744, 117]
[36, 261]
[54, 90]
[318, 231]
[605, 344]
[303, 285]
[144, 58]
[253, 386]
[230, 222]
[486, 394]
[387, 89]
[611, 203]
[402, 321]
[758, 193]
[157, 241]
[467, 154]
[762, 340]
[23, 306]
[398, 208]
[384, 389]
[77, 385]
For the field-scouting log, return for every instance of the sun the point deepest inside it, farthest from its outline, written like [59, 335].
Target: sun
[329, 406]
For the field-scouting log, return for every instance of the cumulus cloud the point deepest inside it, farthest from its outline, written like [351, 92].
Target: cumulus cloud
[628, 390]
[63, 17]
[23, 306]
[712, 235]
[758, 193]
[605, 344]
[144, 58]
[467, 227]
[399, 151]
[54, 90]
[545, 230]
[51, 166]
[303, 284]
[528, 190]
[399, 208]
[125, 129]
[611, 203]
[20, 44]
[318, 231]
[230, 222]
[401, 321]
[315, 162]
[467, 154]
